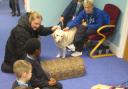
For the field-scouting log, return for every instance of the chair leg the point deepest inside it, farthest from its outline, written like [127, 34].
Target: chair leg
[96, 47]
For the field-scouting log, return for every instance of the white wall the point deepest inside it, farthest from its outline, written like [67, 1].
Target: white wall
[118, 39]
[51, 10]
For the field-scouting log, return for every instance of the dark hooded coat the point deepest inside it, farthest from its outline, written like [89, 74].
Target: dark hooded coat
[14, 49]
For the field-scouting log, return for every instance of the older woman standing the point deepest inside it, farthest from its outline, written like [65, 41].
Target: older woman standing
[29, 26]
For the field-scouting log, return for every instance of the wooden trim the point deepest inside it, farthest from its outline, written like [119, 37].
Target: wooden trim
[124, 30]
[126, 51]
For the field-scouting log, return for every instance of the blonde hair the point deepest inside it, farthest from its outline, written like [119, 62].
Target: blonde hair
[20, 67]
[34, 15]
[89, 2]
[23, 87]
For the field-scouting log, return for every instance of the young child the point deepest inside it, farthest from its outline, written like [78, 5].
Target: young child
[23, 72]
[71, 11]
[39, 76]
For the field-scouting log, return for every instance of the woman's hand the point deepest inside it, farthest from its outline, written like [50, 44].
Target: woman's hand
[61, 19]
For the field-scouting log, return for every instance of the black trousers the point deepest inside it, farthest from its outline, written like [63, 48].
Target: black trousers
[14, 4]
[81, 37]
[10, 4]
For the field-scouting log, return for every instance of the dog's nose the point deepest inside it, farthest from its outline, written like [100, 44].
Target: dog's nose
[59, 41]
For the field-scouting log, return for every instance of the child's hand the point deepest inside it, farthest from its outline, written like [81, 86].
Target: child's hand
[84, 23]
[66, 29]
[52, 82]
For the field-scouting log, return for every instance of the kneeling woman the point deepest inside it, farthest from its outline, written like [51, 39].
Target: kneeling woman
[29, 26]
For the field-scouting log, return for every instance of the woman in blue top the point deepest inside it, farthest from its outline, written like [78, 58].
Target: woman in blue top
[91, 19]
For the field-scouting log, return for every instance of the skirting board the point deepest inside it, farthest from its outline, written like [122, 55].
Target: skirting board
[114, 49]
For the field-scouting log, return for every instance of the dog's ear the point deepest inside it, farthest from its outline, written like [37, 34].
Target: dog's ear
[53, 34]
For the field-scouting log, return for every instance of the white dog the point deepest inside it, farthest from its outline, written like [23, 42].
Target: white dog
[63, 39]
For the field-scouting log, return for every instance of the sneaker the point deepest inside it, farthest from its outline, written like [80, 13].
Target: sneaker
[6, 68]
[71, 47]
[13, 14]
[18, 14]
[75, 54]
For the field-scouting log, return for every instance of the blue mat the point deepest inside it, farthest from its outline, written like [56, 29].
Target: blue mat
[109, 70]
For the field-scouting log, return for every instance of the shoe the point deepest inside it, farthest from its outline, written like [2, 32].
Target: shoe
[18, 14]
[6, 68]
[13, 14]
[71, 47]
[76, 54]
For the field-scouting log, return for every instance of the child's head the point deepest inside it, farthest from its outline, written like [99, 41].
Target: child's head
[22, 70]
[88, 6]
[33, 47]
[23, 87]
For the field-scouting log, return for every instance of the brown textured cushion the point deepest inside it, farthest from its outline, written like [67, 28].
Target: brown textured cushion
[64, 68]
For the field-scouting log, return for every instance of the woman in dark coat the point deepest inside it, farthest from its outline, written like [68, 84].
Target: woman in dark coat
[71, 11]
[29, 26]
